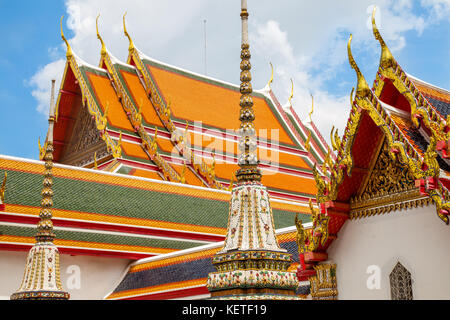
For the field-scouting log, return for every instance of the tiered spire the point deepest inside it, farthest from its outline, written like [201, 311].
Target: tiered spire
[41, 279]
[251, 264]
[248, 159]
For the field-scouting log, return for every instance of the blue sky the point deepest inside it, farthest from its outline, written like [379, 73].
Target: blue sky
[305, 41]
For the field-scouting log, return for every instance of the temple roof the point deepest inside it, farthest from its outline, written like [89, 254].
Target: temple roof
[181, 274]
[154, 119]
[109, 214]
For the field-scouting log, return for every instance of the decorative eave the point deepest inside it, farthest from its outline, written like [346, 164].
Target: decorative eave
[422, 112]
[164, 112]
[73, 63]
[386, 203]
[424, 169]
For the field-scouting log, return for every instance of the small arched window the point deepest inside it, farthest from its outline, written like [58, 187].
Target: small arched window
[401, 283]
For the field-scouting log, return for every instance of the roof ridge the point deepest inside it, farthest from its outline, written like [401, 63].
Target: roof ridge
[445, 91]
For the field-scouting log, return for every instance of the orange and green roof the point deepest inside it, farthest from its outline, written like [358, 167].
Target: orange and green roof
[107, 214]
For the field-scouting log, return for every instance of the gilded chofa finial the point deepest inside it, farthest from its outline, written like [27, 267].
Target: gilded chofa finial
[131, 45]
[312, 108]
[271, 75]
[387, 59]
[103, 52]
[69, 49]
[292, 92]
[362, 88]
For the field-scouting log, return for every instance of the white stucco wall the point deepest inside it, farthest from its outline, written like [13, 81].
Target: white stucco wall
[417, 238]
[97, 276]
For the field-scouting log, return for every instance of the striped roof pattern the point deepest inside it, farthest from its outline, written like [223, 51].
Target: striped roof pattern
[118, 215]
[182, 274]
[195, 99]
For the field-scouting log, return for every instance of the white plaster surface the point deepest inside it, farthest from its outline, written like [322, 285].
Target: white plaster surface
[98, 275]
[417, 238]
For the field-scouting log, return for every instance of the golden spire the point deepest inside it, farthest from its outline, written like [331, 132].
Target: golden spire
[103, 52]
[387, 59]
[362, 88]
[36, 287]
[271, 75]
[131, 45]
[69, 49]
[248, 159]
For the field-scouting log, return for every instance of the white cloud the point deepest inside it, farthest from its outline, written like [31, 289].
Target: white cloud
[41, 83]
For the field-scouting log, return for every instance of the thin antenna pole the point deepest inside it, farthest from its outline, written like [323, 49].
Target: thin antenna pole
[204, 28]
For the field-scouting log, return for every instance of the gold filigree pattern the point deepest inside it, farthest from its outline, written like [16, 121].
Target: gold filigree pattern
[424, 168]
[89, 100]
[324, 283]
[163, 111]
[3, 188]
[388, 176]
[421, 110]
[309, 240]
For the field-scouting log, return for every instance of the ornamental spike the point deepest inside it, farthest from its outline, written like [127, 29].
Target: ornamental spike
[103, 51]
[131, 44]
[248, 159]
[292, 93]
[2, 191]
[69, 49]
[312, 108]
[362, 88]
[271, 75]
[387, 59]
[42, 276]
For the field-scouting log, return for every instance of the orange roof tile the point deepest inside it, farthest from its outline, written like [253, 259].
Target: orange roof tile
[134, 150]
[145, 174]
[230, 147]
[190, 177]
[196, 100]
[140, 98]
[438, 94]
[105, 94]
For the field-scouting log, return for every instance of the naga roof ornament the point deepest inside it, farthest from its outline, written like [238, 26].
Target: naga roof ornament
[424, 169]
[271, 76]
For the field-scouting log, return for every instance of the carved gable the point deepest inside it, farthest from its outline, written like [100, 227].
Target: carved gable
[85, 140]
[389, 186]
[387, 177]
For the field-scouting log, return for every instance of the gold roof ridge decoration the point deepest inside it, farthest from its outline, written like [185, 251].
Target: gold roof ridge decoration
[421, 110]
[164, 112]
[422, 168]
[88, 99]
[271, 76]
[2, 191]
[148, 143]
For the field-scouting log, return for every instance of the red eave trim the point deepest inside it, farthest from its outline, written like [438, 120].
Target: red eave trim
[114, 228]
[82, 252]
[182, 293]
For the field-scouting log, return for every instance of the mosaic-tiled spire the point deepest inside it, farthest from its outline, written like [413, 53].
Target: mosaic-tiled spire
[248, 159]
[41, 280]
[251, 264]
